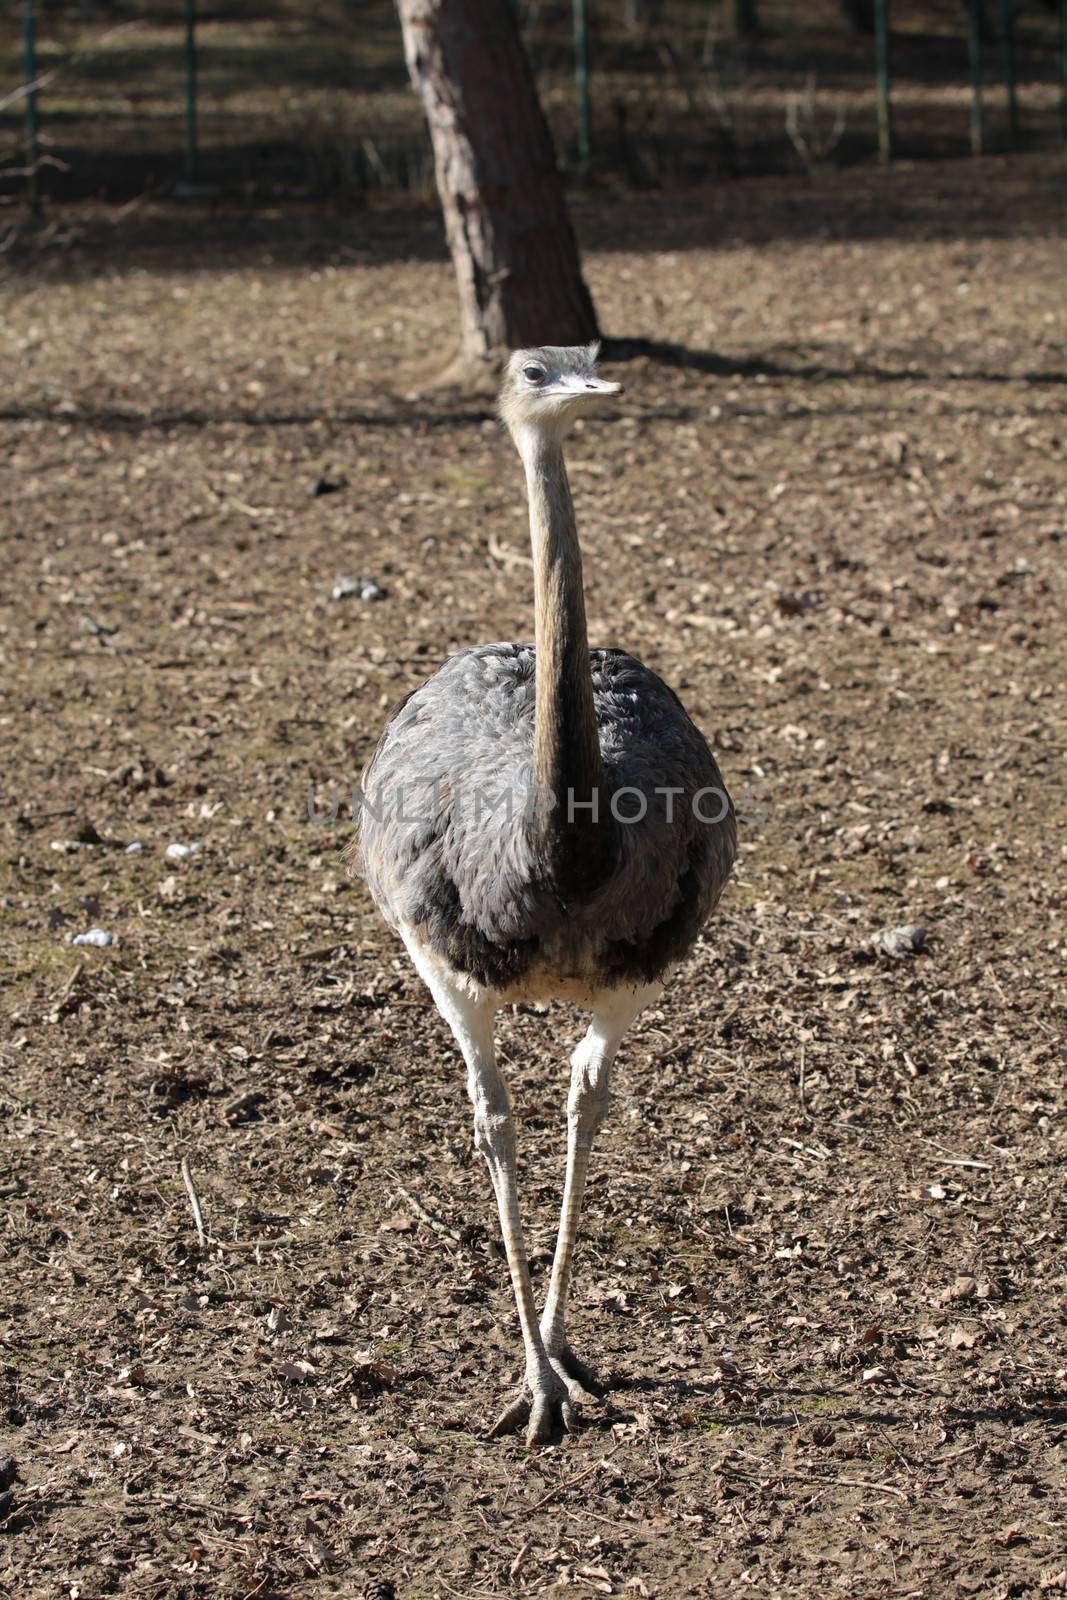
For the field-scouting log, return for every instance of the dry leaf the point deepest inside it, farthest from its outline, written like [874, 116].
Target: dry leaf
[398, 1223]
[962, 1289]
[597, 1578]
[295, 1371]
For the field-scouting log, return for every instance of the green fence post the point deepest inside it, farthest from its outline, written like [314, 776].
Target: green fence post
[190, 91]
[881, 58]
[581, 79]
[29, 70]
[1007, 51]
[974, 52]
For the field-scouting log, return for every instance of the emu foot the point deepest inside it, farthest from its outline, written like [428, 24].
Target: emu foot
[544, 1409]
[579, 1378]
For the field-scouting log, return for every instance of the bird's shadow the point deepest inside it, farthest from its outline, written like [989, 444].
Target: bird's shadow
[1050, 1409]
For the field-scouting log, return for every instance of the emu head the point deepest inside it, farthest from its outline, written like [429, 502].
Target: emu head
[545, 389]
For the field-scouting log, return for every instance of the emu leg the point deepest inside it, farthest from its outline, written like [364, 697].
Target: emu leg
[544, 1405]
[587, 1106]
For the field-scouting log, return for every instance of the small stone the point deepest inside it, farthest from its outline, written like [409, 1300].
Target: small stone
[895, 447]
[895, 943]
[324, 484]
[180, 852]
[99, 630]
[135, 848]
[96, 937]
[359, 588]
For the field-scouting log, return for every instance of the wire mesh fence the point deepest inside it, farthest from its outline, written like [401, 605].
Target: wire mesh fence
[120, 97]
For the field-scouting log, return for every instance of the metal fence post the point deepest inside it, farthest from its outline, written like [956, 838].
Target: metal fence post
[581, 79]
[1007, 52]
[881, 58]
[29, 69]
[1063, 65]
[974, 51]
[190, 91]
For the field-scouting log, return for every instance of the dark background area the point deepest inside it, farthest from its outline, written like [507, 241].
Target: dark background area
[299, 101]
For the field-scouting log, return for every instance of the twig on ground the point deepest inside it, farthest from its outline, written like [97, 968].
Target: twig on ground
[424, 1215]
[242, 1105]
[800, 1084]
[516, 1565]
[571, 1483]
[855, 1483]
[68, 988]
[812, 1478]
[239, 1246]
[194, 1201]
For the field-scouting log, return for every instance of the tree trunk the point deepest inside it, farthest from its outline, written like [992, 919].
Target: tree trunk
[740, 19]
[513, 247]
[859, 14]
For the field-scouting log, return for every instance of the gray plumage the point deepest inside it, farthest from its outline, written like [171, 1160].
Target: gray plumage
[544, 821]
[442, 854]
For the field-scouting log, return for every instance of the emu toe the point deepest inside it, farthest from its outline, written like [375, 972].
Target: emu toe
[580, 1379]
[545, 1411]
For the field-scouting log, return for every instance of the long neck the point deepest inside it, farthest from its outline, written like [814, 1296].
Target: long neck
[566, 759]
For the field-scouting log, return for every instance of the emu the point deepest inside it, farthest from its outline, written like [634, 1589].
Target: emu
[545, 822]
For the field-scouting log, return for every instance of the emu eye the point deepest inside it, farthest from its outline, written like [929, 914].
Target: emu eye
[533, 373]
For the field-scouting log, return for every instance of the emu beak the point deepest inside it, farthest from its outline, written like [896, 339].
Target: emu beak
[588, 388]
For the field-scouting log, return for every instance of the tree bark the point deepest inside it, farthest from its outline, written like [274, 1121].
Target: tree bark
[513, 247]
[741, 19]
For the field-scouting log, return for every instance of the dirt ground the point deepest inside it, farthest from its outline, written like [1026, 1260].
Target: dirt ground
[823, 1248]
